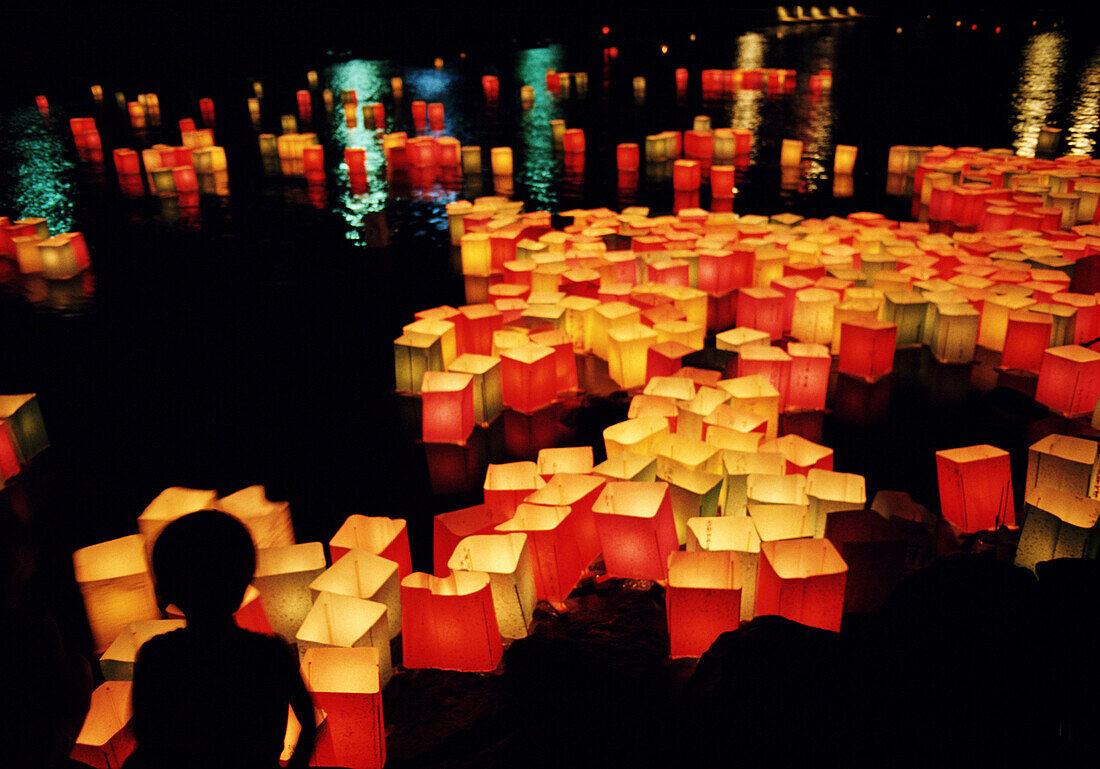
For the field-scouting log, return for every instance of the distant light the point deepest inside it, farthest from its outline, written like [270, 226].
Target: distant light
[898, 30]
[438, 62]
[958, 23]
[462, 55]
[1034, 23]
[606, 30]
[973, 27]
[664, 49]
[692, 37]
[997, 31]
[613, 52]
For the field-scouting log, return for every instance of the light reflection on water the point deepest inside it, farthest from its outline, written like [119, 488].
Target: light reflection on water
[539, 168]
[744, 108]
[38, 172]
[1036, 96]
[1085, 116]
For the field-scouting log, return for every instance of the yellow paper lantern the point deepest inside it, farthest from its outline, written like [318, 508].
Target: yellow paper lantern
[344, 621]
[831, 492]
[172, 503]
[364, 575]
[116, 586]
[105, 740]
[507, 560]
[268, 522]
[283, 576]
[736, 535]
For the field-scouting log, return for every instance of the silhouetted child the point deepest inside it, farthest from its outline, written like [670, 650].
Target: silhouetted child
[212, 694]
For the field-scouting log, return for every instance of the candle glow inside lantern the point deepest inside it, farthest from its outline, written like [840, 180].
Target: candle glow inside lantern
[268, 522]
[874, 549]
[116, 586]
[360, 574]
[415, 353]
[790, 154]
[346, 683]
[381, 536]
[344, 621]
[634, 435]
[954, 333]
[1059, 524]
[694, 494]
[117, 663]
[449, 622]
[1062, 462]
[488, 386]
[529, 378]
[812, 316]
[703, 599]
[735, 535]
[580, 492]
[283, 576]
[802, 580]
[830, 492]
[448, 407]
[808, 384]
[575, 459]
[867, 348]
[565, 360]
[555, 555]
[1069, 380]
[507, 560]
[754, 393]
[761, 308]
[772, 363]
[777, 522]
[105, 740]
[975, 487]
[1026, 338]
[636, 528]
[627, 353]
[448, 529]
[506, 485]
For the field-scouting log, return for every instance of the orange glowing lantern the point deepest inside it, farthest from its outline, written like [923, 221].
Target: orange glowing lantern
[283, 576]
[360, 574]
[506, 485]
[555, 556]
[474, 329]
[874, 549]
[802, 580]
[772, 363]
[381, 536]
[1069, 380]
[664, 358]
[116, 586]
[809, 379]
[172, 503]
[105, 740]
[686, 175]
[507, 560]
[573, 140]
[347, 684]
[346, 622]
[754, 393]
[579, 493]
[448, 407]
[1026, 338]
[738, 537]
[636, 528]
[628, 348]
[634, 435]
[1059, 524]
[449, 622]
[626, 156]
[867, 348]
[802, 455]
[529, 375]
[487, 384]
[693, 493]
[268, 522]
[1062, 462]
[576, 460]
[435, 116]
[830, 492]
[703, 599]
[812, 315]
[975, 487]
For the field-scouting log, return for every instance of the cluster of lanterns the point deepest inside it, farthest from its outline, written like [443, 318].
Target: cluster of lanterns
[28, 241]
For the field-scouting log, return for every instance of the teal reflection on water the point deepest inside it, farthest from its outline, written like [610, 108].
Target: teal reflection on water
[539, 166]
[37, 173]
[1036, 95]
[1085, 117]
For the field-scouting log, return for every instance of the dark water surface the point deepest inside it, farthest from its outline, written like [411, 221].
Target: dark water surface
[250, 340]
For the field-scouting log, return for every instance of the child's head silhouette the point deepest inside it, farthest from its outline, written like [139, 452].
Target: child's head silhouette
[203, 563]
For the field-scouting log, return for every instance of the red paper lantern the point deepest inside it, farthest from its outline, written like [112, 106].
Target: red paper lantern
[573, 140]
[1069, 380]
[449, 622]
[686, 175]
[555, 555]
[448, 407]
[809, 380]
[378, 535]
[761, 308]
[626, 156]
[474, 329]
[448, 529]
[703, 599]
[529, 375]
[769, 362]
[313, 161]
[1026, 338]
[637, 529]
[435, 115]
[867, 348]
[802, 580]
[506, 485]
[345, 683]
[975, 487]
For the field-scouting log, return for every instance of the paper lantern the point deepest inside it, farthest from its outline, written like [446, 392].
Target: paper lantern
[117, 662]
[1026, 338]
[790, 155]
[116, 586]
[664, 358]
[474, 329]
[448, 529]
[486, 382]
[693, 494]
[556, 560]
[565, 460]
[994, 319]
[1062, 462]
[346, 683]
[283, 576]
[580, 492]
[771, 363]
[500, 160]
[812, 315]
[954, 333]
[1069, 380]
[703, 599]
[761, 308]
[268, 522]
[381, 536]
[634, 435]
[808, 384]
[449, 622]
[636, 528]
[414, 354]
[626, 156]
[830, 492]
[529, 378]
[21, 419]
[172, 503]
[867, 348]
[628, 466]
[975, 487]
[775, 489]
[844, 159]
[802, 580]
[1059, 524]
[627, 354]
[448, 407]
[754, 393]
[686, 175]
[507, 560]
[506, 485]
[606, 317]
[779, 522]
[344, 621]
[874, 550]
[105, 740]
[360, 574]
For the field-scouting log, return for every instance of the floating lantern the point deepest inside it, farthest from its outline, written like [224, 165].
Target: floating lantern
[557, 132]
[867, 348]
[634, 435]
[344, 621]
[506, 485]
[347, 684]
[268, 522]
[769, 362]
[449, 622]
[790, 155]
[626, 157]
[686, 175]
[415, 353]
[1062, 462]
[573, 140]
[703, 599]
[808, 384]
[475, 327]
[116, 586]
[802, 580]
[778, 522]
[1026, 338]
[501, 161]
[812, 315]
[172, 503]
[364, 575]
[776, 489]
[487, 384]
[283, 576]
[117, 663]
[555, 557]
[636, 528]
[975, 487]
[693, 494]
[664, 358]
[628, 348]
[874, 550]
[844, 160]
[830, 492]
[448, 407]
[755, 394]
[954, 333]
[105, 740]
[381, 536]
[507, 560]
[1059, 524]
[579, 493]
[576, 460]
[529, 378]
[1069, 380]
[435, 116]
[628, 466]
[565, 360]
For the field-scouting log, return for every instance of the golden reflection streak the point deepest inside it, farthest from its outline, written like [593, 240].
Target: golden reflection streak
[1086, 109]
[744, 109]
[1036, 96]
